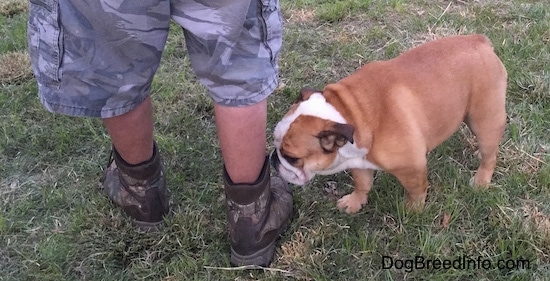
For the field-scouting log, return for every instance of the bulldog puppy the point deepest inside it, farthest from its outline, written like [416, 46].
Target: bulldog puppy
[389, 114]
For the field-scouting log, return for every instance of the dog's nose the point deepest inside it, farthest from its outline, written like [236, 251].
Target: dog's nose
[274, 159]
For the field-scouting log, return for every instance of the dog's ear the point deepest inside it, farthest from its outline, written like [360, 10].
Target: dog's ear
[305, 93]
[336, 136]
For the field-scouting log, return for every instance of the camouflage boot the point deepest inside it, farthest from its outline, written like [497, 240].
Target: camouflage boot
[139, 190]
[256, 215]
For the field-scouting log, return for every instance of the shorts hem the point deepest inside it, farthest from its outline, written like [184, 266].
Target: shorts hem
[76, 111]
[249, 100]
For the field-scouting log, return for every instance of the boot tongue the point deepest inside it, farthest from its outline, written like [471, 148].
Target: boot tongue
[142, 171]
[246, 193]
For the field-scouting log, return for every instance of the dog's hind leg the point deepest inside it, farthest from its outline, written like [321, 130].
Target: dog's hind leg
[488, 123]
[415, 181]
[486, 114]
[488, 137]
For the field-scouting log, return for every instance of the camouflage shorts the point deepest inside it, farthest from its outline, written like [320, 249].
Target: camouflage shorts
[98, 57]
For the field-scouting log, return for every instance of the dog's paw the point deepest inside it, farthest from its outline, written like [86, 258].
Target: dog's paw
[415, 203]
[414, 206]
[351, 203]
[478, 182]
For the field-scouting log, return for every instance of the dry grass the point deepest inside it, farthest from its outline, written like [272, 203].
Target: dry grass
[534, 219]
[9, 8]
[14, 66]
[300, 15]
[537, 219]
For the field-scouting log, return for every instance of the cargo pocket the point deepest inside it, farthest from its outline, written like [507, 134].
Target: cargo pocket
[272, 25]
[45, 41]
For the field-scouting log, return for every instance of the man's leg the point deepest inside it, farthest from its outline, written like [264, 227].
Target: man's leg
[242, 138]
[135, 179]
[132, 133]
[235, 56]
[103, 69]
[259, 207]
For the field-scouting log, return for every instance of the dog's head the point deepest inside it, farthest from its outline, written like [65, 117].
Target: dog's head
[312, 138]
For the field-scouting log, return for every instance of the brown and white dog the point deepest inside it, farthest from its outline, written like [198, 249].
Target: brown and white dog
[389, 114]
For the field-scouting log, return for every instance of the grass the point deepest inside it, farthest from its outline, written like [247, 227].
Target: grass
[56, 225]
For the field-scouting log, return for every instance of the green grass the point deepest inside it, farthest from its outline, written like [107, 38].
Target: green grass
[56, 225]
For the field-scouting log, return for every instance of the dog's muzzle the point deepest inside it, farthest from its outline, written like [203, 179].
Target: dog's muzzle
[290, 174]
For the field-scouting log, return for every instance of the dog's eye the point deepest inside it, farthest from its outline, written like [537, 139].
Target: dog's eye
[291, 160]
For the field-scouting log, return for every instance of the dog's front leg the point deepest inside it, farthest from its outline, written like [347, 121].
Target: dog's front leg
[362, 180]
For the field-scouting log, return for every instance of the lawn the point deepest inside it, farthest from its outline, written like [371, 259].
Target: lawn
[55, 224]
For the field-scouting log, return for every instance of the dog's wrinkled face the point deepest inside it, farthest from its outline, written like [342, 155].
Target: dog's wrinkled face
[313, 138]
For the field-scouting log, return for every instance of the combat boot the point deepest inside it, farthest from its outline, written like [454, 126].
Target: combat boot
[257, 214]
[140, 190]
